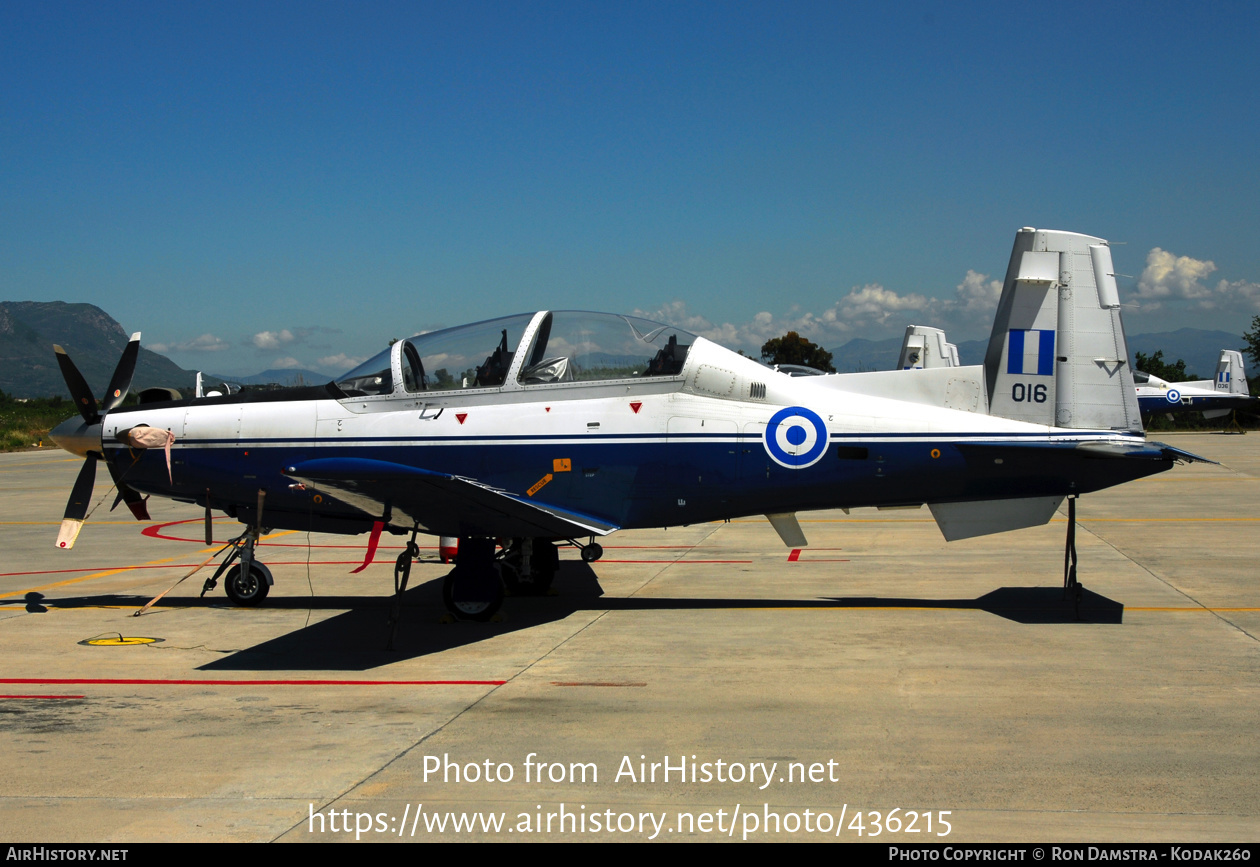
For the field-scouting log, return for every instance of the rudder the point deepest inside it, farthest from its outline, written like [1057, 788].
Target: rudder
[1057, 355]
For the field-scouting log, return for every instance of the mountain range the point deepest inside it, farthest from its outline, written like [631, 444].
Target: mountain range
[1200, 348]
[94, 340]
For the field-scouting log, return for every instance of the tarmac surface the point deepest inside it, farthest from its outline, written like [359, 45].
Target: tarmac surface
[878, 671]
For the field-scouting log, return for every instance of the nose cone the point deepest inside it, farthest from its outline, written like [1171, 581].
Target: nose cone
[77, 436]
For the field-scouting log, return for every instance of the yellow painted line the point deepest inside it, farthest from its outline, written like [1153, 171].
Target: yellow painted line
[58, 523]
[1058, 519]
[1215, 477]
[108, 572]
[775, 608]
[963, 608]
[37, 463]
[1191, 608]
[50, 607]
[1160, 520]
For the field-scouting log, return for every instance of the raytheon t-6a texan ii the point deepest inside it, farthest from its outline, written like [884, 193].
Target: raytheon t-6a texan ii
[531, 430]
[1214, 398]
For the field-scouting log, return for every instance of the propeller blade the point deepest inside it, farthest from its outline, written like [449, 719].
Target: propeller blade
[129, 495]
[84, 400]
[77, 507]
[120, 383]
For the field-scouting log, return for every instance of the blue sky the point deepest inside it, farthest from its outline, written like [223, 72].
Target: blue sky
[265, 184]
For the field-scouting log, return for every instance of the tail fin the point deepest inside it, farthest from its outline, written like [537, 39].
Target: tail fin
[1230, 376]
[1057, 354]
[925, 347]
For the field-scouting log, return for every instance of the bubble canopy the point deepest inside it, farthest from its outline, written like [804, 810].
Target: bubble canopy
[526, 349]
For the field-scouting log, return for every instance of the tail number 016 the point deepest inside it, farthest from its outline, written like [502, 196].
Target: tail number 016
[1031, 393]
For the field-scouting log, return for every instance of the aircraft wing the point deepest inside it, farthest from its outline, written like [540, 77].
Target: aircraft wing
[439, 502]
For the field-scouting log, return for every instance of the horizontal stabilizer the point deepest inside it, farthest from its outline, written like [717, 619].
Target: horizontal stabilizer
[967, 520]
[441, 503]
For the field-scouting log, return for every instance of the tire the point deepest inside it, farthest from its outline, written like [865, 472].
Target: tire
[471, 596]
[592, 552]
[247, 590]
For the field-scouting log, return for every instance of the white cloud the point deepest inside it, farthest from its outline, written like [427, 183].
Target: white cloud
[978, 294]
[865, 311]
[272, 339]
[286, 363]
[1170, 276]
[1177, 281]
[204, 343]
[340, 362]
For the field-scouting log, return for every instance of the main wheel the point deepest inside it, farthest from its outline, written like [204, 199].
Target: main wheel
[472, 596]
[592, 552]
[247, 589]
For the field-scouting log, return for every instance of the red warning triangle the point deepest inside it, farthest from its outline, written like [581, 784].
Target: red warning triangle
[635, 404]
[547, 408]
[460, 416]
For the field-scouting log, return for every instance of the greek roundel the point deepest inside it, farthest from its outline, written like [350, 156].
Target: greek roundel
[1173, 396]
[795, 437]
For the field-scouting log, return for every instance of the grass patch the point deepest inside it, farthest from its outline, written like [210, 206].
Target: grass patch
[26, 423]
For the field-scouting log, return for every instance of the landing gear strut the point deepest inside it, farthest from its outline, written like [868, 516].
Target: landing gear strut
[402, 572]
[528, 566]
[1070, 585]
[474, 589]
[248, 582]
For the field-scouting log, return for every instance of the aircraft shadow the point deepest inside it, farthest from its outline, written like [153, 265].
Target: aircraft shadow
[355, 639]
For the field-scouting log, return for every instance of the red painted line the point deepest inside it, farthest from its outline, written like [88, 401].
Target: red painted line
[795, 555]
[42, 696]
[605, 560]
[649, 547]
[184, 566]
[110, 681]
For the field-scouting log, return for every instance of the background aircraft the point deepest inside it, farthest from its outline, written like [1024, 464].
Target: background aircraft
[1214, 398]
[926, 347]
[544, 427]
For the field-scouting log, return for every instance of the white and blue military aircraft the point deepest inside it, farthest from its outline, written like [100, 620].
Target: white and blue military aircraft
[1214, 398]
[555, 426]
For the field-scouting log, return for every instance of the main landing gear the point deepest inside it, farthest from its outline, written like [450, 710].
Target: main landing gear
[475, 588]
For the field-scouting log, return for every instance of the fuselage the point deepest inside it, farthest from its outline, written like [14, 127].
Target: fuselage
[723, 437]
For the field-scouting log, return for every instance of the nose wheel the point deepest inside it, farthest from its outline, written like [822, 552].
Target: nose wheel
[247, 586]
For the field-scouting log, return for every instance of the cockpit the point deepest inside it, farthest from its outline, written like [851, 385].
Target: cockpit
[528, 349]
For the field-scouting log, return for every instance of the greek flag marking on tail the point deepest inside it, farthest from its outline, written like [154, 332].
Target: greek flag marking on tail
[1222, 379]
[1030, 352]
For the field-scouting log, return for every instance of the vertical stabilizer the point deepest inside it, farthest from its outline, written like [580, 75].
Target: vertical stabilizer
[926, 348]
[1057, 355]
[1230, 376]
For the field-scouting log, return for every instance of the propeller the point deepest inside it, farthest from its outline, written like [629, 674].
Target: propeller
[84, 438]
